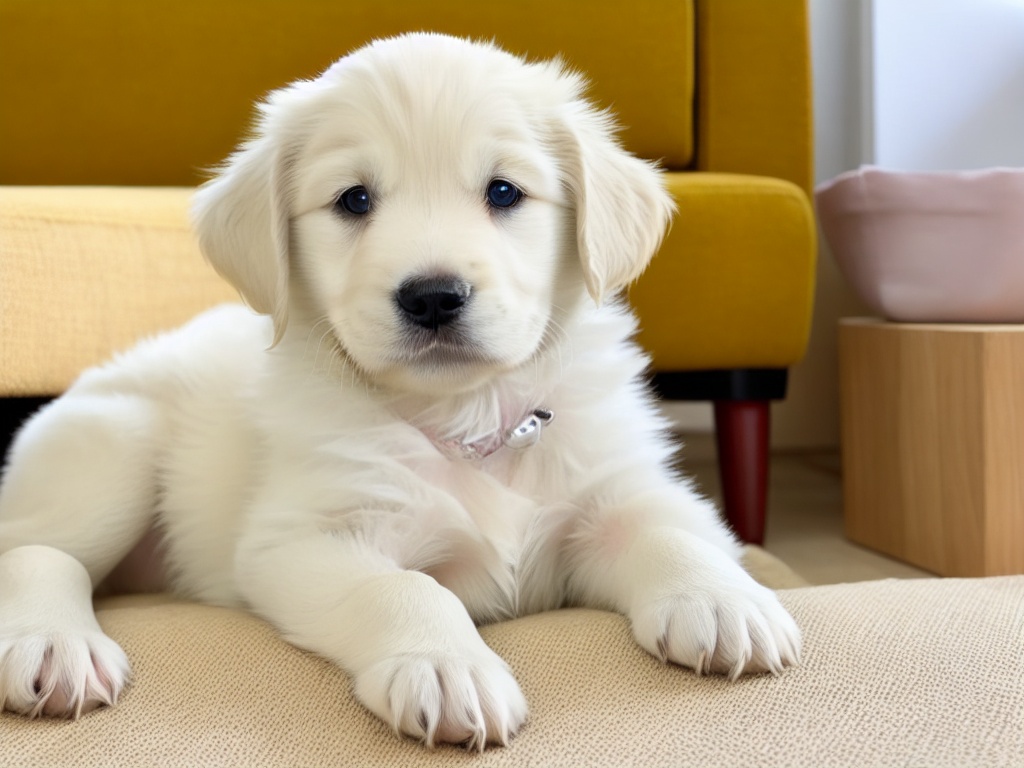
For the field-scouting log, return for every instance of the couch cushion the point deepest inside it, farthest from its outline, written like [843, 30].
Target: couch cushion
[124, 92]
[731, 286]
[88, 271]
[895, 673]
[733, 283]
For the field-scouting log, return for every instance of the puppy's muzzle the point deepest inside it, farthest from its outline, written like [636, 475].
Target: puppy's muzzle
[431, 302]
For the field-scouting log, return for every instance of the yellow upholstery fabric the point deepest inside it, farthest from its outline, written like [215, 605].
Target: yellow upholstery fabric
[754, 89]
[733, 283]
[86, 271]
[129, 92]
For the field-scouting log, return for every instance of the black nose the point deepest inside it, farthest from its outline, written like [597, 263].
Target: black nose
[431, 302]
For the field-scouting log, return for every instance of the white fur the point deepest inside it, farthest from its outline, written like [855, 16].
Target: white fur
[293, 465]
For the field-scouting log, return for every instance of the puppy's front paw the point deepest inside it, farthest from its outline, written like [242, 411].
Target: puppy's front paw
[694, 606]
[442, 698]
[726, 630]
[60, 674]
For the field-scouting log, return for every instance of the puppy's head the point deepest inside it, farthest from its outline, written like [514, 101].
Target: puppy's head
[440, 203]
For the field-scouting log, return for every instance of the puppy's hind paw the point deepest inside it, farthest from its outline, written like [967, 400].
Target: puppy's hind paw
[60, 675]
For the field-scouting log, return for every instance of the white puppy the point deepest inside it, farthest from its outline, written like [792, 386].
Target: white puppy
[437, 231]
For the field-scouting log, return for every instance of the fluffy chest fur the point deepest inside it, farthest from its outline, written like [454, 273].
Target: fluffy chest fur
[369, 466]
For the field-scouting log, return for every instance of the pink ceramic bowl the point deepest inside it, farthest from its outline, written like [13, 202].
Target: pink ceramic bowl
[930, 247]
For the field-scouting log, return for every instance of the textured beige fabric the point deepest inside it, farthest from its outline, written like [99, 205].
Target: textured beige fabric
[86, 271]
[895, 673]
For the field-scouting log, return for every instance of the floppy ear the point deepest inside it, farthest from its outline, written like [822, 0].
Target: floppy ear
[242, 219]
[622, 207]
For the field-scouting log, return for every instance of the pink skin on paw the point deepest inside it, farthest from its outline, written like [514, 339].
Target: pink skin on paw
[61, 697]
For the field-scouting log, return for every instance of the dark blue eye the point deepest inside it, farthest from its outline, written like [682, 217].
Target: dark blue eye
[355, 200]
[503, 194]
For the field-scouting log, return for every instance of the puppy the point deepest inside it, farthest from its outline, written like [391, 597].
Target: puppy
[434, 418]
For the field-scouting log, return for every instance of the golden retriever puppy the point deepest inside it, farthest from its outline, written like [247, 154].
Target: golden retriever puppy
[431, 415]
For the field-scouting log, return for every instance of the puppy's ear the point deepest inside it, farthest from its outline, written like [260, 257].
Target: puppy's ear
[242, 219]
[622, 207]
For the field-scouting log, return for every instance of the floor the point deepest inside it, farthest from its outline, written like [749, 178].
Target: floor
[805, 518]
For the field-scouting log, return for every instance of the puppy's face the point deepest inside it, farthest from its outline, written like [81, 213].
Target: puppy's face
[428, 198]
[430, 225]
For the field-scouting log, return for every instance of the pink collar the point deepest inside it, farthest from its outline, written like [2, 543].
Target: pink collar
[522, 435]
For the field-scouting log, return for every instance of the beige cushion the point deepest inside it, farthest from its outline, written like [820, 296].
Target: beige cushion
[901, 673]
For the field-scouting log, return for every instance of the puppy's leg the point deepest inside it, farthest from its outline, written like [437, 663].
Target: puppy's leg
[416, 658]
[668, 564]
[54, 658]
[78, 492]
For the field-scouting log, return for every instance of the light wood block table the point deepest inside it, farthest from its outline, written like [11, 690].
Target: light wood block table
[933, 443]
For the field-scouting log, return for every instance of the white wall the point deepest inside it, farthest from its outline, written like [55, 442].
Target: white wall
[948, 82]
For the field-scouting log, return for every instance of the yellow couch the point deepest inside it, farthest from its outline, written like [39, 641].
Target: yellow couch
[129, 94]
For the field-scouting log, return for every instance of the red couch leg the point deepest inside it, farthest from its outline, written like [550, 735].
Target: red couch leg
[741, 430]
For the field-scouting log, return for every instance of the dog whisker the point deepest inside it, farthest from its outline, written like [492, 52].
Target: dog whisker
[557, 339]
[330, 351]
[309, 336]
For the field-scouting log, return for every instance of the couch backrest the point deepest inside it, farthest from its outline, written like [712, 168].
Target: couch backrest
[150, 93]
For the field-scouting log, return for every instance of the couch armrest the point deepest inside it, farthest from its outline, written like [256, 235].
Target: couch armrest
[733, 284]
[85, 271]
[754, 89]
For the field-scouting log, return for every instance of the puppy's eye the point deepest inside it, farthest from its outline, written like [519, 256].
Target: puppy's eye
[503, 194]
[355, 200]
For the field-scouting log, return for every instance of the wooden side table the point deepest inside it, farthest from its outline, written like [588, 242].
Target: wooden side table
[932, 421]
